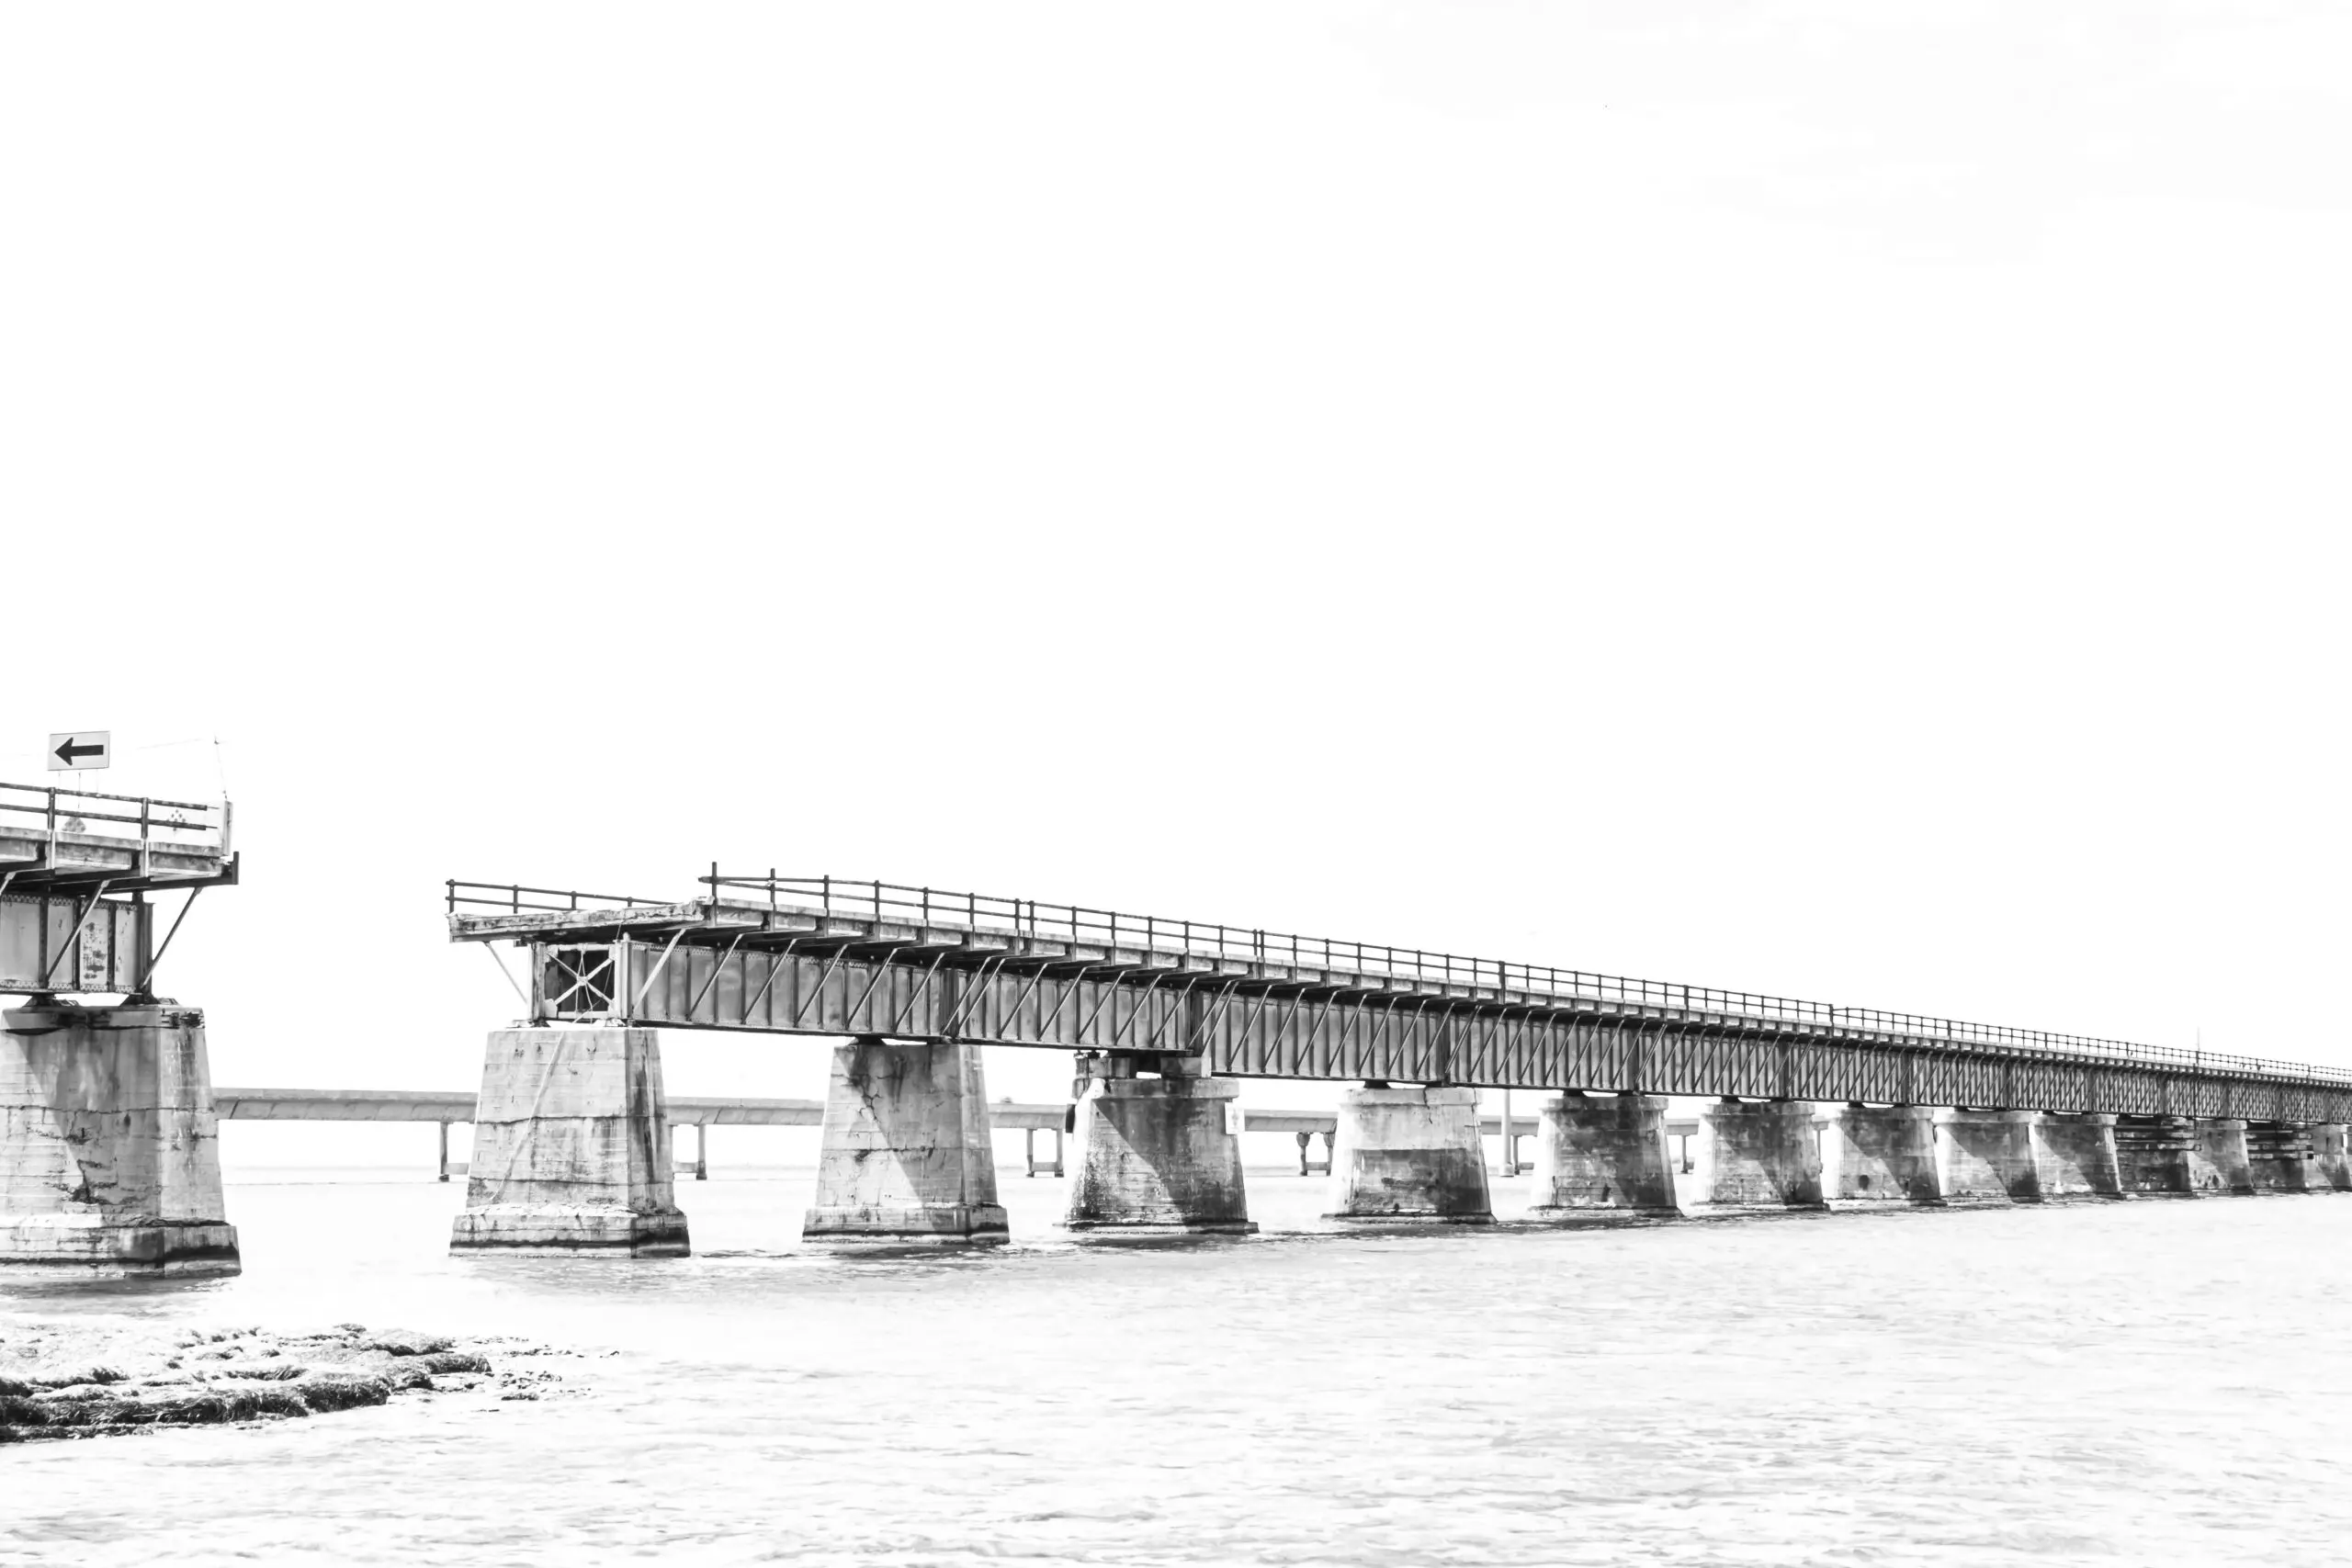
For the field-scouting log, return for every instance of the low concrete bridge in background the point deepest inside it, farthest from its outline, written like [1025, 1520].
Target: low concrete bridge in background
[703, 1112]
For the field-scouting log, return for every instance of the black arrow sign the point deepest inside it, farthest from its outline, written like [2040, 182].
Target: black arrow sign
[68, 751]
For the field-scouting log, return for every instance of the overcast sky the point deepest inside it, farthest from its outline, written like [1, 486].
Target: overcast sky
[1840, 500]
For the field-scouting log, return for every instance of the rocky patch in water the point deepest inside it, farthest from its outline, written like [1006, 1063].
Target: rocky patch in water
[85, 1380]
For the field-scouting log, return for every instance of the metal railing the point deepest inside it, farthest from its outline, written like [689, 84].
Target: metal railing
[61, 810]
[1079, 925]
[514, 899]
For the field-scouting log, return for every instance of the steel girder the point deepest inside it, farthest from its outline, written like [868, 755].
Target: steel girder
[1249, 1027]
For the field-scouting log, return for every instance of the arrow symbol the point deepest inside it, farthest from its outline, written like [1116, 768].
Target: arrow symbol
[68, 751]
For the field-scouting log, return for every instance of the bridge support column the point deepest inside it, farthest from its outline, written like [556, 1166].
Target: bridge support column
[2218, 1166]
[1410, 1155]
[2073, 1157]
[908, 1155]
[1766, 1156]
[2152, 1157]
[2330, 1158]
[1603, 1158]
[1988, 1157]
[1156, 1156]
[110, 1147]
[2219, 1162]
[1887, 1155]
[571, 1149]
[2279, 1157]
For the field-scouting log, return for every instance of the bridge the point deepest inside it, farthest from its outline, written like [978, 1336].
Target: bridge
[110, 1122]
[1162, 1015]
[450, 1107]
[827, 956]
[107, 1156]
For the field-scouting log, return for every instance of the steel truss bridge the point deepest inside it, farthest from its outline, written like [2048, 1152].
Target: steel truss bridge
[827, 956]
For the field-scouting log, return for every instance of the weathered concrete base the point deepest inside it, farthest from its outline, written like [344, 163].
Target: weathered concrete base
[1988, 1156]
[2331, 1169]
[1600, 1158]
[2152, 1157]
[2217, 1158]
[583, 1228]
[1156, 1155]
[2074, 1157]
[2279, 1159]
[908, 1156]
[1887, 1154]
[109, 1147]
[1766, 1156]
[571, 1149]
[1409, 1156]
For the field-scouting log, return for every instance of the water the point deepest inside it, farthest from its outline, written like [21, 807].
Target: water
[2122, 1384]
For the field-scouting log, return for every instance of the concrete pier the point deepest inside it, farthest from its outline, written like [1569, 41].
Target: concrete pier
[1988, 1156]
[1766, 1154]
[2217, 1158]
[571, 1147]
[2330, 1158]
[1157, 1156]
[109, 1147]
[1409, 1155]
[1887, 1154]
[2074, 1157]
[908, 1156]
[2279, 1157]
[1601, 1158]
[2152, 1157]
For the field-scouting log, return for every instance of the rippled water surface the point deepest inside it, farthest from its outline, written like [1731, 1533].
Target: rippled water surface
[2123, 1383]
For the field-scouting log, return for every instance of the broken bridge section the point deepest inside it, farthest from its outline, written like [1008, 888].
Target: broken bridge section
[109, 1151]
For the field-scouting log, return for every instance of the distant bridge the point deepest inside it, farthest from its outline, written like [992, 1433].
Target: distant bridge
[702, 1111]
[825, 956]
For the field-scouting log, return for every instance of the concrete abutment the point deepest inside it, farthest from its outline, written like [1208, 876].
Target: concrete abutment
[1767, 1155]
[1988, 1156]
[1887, 1154]
[2075, 1157]
[908, 1156]
[571, 1147]
[2331, 1169]
[110, 1144]
[1157, 1156]
[1409, 1155]
[2217, 1165]
[2280, 1159]
[1603, 1158]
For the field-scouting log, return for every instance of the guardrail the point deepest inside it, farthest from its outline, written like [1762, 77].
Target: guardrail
[63, 810]
[517, 899]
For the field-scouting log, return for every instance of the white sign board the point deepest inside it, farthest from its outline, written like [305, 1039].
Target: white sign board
[1233, 1119]
[81, 749]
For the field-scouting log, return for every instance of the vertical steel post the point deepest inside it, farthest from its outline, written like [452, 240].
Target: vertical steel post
[702, 1151]
[1511, 1145]
[444, 1151]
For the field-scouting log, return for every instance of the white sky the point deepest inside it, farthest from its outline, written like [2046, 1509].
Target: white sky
[1840, 500]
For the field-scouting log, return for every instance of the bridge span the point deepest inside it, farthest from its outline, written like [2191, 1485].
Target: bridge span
[827, 956]
[1161, 1015]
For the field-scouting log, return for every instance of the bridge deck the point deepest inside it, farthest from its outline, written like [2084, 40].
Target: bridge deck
[826, 956]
